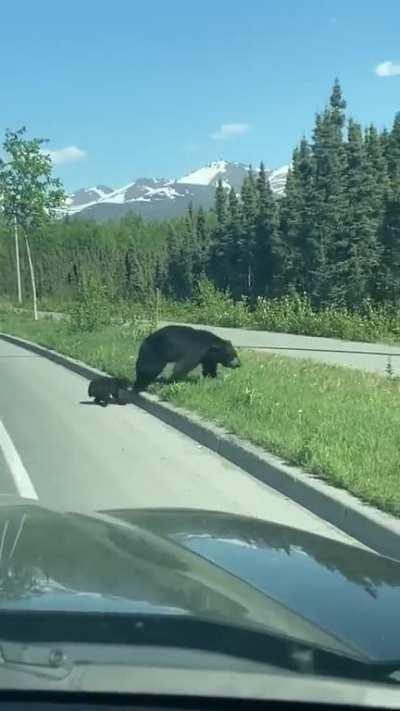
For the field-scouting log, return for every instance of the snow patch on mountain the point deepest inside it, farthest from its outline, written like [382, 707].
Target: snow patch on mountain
[206, 175]
[164, 198]
[166, 192]
[277, 180]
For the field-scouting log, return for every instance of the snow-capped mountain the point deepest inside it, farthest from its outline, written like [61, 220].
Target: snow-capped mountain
[158, 198]
[88, 195]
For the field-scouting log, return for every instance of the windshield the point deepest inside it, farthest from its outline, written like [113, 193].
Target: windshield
[199, 322]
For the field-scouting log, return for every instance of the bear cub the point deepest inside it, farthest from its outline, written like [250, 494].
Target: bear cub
[104, 388]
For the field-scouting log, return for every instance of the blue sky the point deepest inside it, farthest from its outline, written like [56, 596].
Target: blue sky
[157, 88]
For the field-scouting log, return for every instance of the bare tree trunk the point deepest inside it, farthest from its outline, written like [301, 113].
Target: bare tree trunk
[17, 262]
[249, 279]
[28, 251]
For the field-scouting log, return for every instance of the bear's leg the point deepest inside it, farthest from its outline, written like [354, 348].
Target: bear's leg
[147, 375]
[209, 368]
[184, 366]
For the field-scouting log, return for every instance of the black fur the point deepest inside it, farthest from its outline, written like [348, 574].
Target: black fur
[103, 388]
[186, 347]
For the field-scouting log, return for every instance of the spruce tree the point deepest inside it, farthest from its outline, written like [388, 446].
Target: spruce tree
[394, 150]
[378, 166]
[385, 143]
[234, 241]
[267, 252]
[359, 252]
[219, 250]
[201, 246]
[388, 272]
[220, 205]
[187, 259]
[247, 246]
[296, 220]
[329, 203]
[174, 280]
[181, 257]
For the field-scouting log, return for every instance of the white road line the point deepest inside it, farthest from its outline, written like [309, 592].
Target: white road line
[21, 478]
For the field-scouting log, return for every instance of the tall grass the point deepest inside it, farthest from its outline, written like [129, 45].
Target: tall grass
[288, 314]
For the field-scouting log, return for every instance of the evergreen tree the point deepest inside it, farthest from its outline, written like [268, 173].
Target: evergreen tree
[248, 239]
[173, 252]
[219, 255]
[378, 166]
[388, 272]
[359, 253]
[267, 250]
[220, 205]
[202, 245]
[296, 220]
[394, 150]
[234, 242]
[329, 203]
[180, 259]
[188, 251]
[337, 107]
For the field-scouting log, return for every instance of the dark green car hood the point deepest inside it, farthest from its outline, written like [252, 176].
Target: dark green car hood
[209, 565]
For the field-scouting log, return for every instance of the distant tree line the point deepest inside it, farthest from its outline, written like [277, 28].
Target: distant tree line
[334, 235]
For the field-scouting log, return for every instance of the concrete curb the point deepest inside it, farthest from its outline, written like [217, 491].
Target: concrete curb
[373, 528]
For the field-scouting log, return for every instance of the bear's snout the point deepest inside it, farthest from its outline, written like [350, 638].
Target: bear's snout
[234, 363]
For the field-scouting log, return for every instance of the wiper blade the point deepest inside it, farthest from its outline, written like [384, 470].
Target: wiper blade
[205, 635]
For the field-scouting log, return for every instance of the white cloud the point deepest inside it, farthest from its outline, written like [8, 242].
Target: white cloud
[387, 69]
[229, 130]
[69, 154]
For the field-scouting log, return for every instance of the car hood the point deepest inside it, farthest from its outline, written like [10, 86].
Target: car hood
[209, 565]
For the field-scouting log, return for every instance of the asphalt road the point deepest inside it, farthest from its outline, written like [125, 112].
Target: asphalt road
[81, 457]
[354, 354]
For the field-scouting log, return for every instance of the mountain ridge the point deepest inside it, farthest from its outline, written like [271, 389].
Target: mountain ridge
[159, 198]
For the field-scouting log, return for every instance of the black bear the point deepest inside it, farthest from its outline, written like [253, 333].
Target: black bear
[102, 388]
[186, 347]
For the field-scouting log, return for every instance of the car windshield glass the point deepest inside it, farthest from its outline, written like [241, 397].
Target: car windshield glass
[199, 320]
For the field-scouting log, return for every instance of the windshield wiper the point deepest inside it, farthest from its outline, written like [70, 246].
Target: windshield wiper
[190, 633]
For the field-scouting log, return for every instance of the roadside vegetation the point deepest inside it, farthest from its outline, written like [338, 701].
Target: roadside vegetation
[339, 424]
[287, 314]
[324, 259]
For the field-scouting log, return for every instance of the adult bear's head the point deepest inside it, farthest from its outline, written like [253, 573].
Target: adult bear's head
[226, 354]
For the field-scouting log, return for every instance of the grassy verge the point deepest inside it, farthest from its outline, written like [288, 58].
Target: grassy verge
[340, 424]
[289, 314]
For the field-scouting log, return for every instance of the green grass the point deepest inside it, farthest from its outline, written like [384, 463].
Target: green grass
[110, 349]
[340, 424]
[289, 314]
